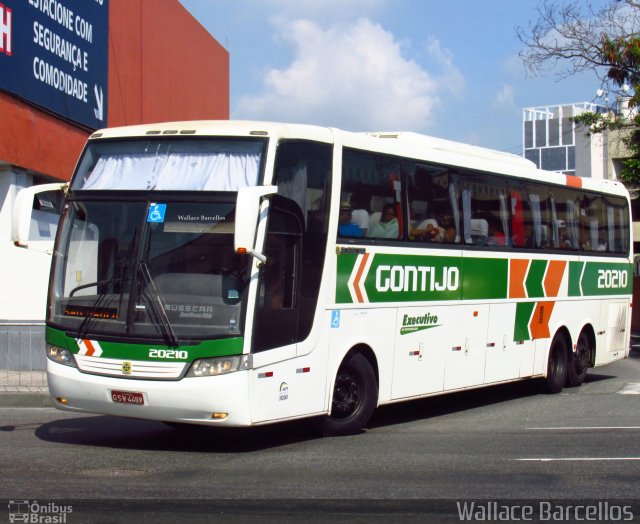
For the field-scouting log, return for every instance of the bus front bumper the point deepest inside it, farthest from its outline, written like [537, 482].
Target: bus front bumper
[215, 401]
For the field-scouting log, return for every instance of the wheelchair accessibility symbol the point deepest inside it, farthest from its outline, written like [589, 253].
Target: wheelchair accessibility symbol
[156, 212]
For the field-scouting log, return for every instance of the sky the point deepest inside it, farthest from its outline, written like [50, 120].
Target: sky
[449, 68]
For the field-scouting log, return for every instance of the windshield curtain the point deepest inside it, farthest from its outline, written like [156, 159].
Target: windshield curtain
[148, 270]
[161, 164]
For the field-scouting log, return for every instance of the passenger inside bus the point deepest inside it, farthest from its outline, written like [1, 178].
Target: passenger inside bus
[496, 235]
[428, 230]
[387, 226]
[360, 211]
[346, 228]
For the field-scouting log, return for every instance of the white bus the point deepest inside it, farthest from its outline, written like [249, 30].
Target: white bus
[243, 273]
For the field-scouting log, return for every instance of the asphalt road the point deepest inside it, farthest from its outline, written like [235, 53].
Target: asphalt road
[500, 443]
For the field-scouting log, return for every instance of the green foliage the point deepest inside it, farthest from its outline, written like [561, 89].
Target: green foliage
[623, 56]
[594, 122]
[603, 39]
[630, 172]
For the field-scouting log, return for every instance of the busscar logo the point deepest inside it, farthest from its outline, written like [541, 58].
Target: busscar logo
[5, 30]
[412, 324]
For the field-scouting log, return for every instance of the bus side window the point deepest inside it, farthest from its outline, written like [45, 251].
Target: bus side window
[371, 193]
[518, 227]
[485, 210]
[433, 204]
[617, 217]
[593, 222]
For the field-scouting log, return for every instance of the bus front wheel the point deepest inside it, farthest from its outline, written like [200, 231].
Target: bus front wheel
[355, 395]
[557, 365]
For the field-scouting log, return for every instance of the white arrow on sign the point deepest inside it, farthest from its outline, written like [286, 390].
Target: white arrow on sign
[99, 110]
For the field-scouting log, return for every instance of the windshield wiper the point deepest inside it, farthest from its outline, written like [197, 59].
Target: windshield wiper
[83, 328]
[91, 284]
[158, 307]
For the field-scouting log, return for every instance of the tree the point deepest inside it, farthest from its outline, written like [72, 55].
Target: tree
[573, 37]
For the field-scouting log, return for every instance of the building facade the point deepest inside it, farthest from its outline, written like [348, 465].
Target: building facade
[553, 141]
[67, 68]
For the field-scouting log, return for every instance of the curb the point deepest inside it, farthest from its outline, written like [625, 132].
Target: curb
[25, 400]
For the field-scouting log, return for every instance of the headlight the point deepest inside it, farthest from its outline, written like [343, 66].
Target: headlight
[61, 356]
[211, 367]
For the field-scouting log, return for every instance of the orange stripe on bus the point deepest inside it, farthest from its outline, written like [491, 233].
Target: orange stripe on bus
[517, 272]
[574, 181]
[553, 278]
[90, 349]
[539, 325]
[356, 281]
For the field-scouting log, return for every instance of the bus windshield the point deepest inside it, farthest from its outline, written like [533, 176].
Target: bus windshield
[170, 164]
[164, 271]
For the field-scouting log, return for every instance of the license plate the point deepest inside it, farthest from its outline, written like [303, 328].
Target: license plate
[127, 397]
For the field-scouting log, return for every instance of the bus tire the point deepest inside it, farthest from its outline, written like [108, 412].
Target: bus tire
[557, 365]
[355, 396]
[579, 361]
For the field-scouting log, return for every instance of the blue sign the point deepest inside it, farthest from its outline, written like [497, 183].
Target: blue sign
[156, 212]
[335, 319]
[55, 54]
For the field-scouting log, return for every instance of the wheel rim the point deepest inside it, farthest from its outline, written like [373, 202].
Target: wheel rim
[581, 356]
[347, 395]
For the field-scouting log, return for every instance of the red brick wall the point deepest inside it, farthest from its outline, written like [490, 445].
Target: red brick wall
[163, 65]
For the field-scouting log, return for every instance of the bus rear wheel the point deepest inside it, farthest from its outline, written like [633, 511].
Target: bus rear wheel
[579, 361]
[355, 395]
[557, 365]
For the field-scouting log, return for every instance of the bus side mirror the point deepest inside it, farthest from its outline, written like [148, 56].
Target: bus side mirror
[247, 216]
[25, 217]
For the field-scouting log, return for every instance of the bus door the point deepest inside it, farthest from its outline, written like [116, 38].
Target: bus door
[276, 319]
[422, 335]
[467, 348]
[503, 355]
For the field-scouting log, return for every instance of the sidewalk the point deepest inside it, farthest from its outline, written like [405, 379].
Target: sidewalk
[24, 389]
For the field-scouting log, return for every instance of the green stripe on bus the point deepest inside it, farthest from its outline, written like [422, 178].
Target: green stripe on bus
[346, 262]
[409, 278]
[600, 279]
[524, 310]
[386, 277]
[119, 350]
[535, 277]
[575, 273]
[485, 278]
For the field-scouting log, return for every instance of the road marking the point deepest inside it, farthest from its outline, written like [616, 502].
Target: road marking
[630, 389]
[574, 459]
[578, 428]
